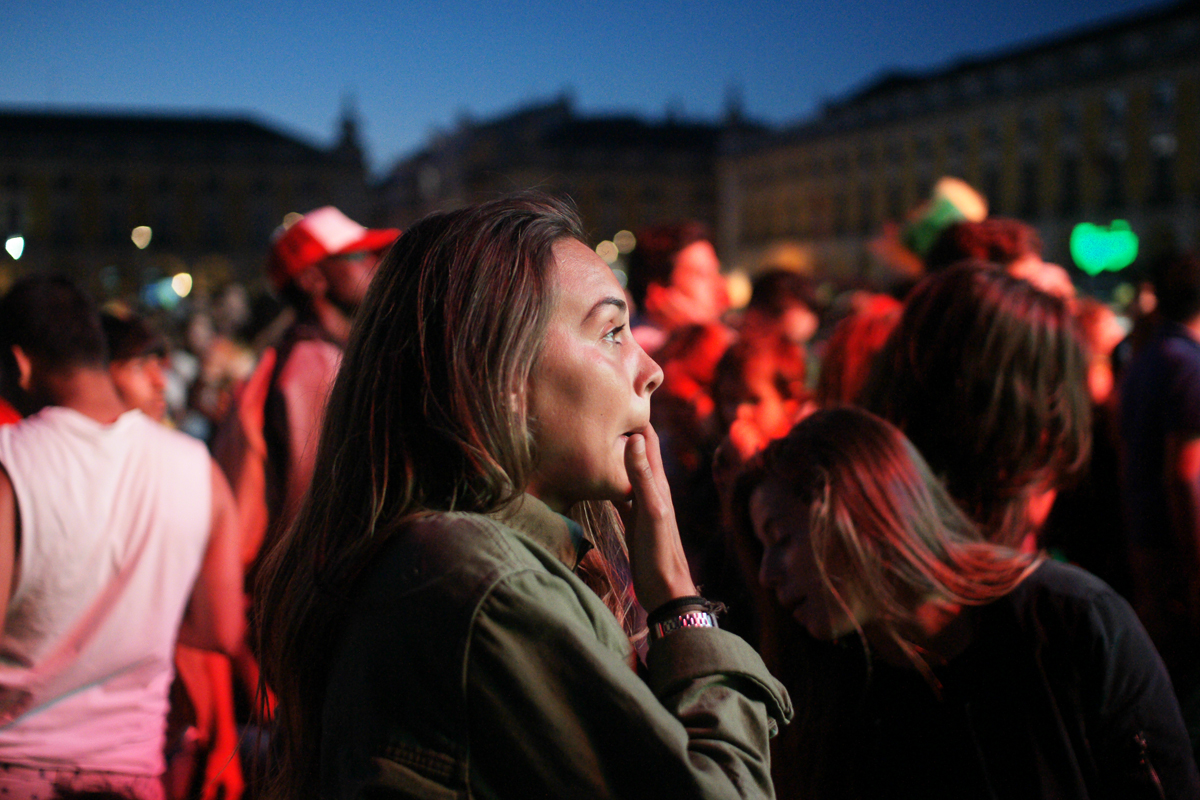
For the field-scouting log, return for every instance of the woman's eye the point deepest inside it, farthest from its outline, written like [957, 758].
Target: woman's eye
[615, 334]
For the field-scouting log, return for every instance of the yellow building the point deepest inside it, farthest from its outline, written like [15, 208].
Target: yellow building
[1093, 126]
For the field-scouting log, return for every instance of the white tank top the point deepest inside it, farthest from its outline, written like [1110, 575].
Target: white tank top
[114, 523]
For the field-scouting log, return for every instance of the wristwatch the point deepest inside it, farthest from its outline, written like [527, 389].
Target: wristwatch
[687, 619]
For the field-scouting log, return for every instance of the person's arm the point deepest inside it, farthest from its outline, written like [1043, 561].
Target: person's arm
[1139, 739]
[215, 618]
[10, 536]
[1182, 481]
[553, 707]
[305, 382]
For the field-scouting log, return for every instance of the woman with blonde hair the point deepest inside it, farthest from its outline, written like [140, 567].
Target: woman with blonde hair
[931, 663]
[444, 618]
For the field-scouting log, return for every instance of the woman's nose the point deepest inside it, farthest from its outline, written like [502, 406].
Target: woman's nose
[649, 375]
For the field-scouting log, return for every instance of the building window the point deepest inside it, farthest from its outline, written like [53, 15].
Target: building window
[1164, 100]
[841, 222]
[956, 142]
[895, 203]
[1162, 175]
[1113, 169]
[991, 186]
[1068, 186]
[1029, 190]
[1070, 116]
[1030, 127]
[866, 210]
[1115, 104]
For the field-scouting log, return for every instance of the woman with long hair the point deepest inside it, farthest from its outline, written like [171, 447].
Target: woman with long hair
[986, 375]
[931, 663]
[448, 615]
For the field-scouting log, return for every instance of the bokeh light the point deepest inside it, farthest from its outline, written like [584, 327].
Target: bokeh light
[625, 242]
[15, 245]
[141, 236]
[182, 284]
[608, 251]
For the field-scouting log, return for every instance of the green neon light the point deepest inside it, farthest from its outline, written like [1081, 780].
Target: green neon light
[1096, 248]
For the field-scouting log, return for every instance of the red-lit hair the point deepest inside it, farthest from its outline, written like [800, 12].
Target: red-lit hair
[987, 376]
[879, 523]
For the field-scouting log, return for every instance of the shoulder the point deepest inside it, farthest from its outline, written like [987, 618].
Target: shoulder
[1071, 607]
[462, 555]
[306, 355]
[1064, 586]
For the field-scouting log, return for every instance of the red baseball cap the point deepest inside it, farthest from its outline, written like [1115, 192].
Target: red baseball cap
[317, 236]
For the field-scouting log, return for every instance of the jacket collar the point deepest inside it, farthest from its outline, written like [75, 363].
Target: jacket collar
[561, 536]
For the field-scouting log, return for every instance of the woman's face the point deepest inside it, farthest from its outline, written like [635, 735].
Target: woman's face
[789, 569]
[590, 387]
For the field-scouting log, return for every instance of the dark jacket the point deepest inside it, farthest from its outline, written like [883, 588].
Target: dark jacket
[1059, 695]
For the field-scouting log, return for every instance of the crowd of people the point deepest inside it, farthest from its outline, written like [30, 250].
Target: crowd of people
[471, 518]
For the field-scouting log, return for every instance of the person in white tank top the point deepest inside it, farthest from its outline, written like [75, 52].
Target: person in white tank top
[116, 535]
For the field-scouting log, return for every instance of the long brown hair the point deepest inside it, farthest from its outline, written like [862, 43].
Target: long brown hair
[880, 525]
[427, 414]
[879, 521]
[986, 375]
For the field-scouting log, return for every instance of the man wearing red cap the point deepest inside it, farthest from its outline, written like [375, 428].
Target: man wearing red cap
[321, 266]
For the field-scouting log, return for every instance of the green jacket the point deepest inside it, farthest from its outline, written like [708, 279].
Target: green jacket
[475, 664]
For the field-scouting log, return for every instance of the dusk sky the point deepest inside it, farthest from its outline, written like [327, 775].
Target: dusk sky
[415, 68]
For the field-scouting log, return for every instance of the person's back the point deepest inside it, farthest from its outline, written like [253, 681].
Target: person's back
[116, 534]
[114, 524]
[1160, 448]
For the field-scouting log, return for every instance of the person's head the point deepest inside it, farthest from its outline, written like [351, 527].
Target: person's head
[689, 361]
[136, 354]
[48, 328]
[326, 257]
[986, 375]
[1176, 282]
[1102, 331]
[760, 382]
[1007, 242]
[675, 277]
[786, 301]
[857, 534]
[464, 358]
[491, 357]
[852, 348]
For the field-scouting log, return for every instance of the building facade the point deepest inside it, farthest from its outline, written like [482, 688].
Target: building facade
[1098, 125]
[210, 191]
[622, 172]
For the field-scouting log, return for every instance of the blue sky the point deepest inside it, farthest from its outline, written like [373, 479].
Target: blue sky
[414, 68]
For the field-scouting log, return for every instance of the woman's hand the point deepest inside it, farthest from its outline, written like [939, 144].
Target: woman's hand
[656, 559]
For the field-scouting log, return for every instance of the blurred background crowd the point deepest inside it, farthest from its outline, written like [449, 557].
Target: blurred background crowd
[767, 271]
